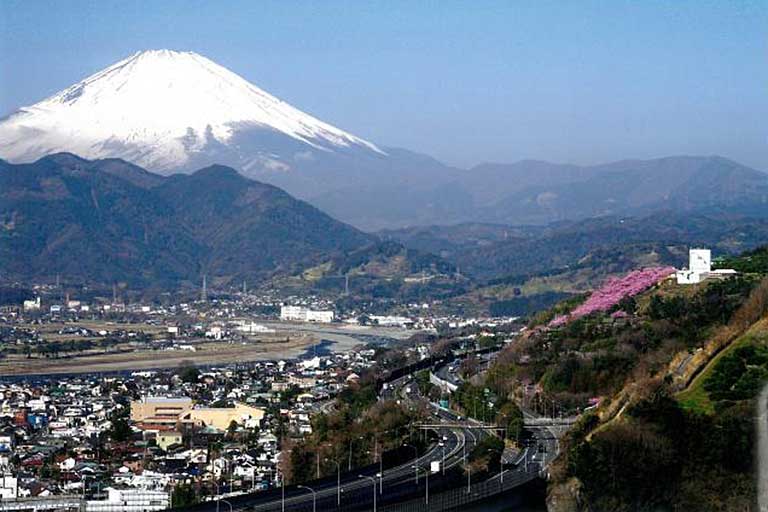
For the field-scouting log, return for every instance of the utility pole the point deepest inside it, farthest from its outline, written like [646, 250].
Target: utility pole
[204, 292]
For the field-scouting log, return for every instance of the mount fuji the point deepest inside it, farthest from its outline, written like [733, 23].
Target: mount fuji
[162, 109]
[170, 112]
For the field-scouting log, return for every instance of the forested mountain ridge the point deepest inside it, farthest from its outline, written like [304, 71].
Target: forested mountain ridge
[106, 220]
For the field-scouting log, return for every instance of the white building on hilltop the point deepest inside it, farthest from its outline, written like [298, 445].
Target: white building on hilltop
[700, 268]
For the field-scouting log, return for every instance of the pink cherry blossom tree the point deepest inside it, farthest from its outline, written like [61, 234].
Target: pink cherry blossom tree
[615, 289]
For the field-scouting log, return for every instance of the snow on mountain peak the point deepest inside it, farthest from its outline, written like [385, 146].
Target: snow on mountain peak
[158, 108]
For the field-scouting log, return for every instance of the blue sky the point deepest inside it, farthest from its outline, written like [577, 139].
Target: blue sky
[466, 82]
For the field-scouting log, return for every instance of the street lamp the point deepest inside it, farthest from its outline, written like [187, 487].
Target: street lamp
[469, 479]
[501, 474]
[415, 450]
[351, 440]
[373, 480]
[426, 489]
[218, 498]
[314, 496]
[338, 480]
[381, 473]
[442, 464]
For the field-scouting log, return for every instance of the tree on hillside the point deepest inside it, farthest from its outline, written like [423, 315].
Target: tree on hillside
[511, 417]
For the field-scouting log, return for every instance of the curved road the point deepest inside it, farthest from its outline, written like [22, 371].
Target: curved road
[399, 482]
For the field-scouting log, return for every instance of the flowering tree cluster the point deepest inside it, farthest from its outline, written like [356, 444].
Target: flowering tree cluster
[614, 290]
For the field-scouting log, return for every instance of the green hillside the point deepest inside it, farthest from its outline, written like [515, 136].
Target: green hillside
[675, 370]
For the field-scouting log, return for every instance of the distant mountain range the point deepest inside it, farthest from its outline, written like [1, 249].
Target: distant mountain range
[106, 220]
[171, 112]
[539, 192]
[513, 254]
[516, 270]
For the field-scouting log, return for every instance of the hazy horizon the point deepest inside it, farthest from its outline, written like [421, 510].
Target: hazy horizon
[553, 81]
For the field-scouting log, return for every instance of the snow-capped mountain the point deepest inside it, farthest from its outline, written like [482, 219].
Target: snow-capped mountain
[169, 111]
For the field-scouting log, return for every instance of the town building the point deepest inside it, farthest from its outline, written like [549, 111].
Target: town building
[130, 500]
[302, 314]
[253, 328]
[159, 413]
[32, 305]
[169, 438]
[222, 417]
[9, 487]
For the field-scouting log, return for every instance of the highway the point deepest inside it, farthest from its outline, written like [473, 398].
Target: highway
[455, 437]
[394, 483]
